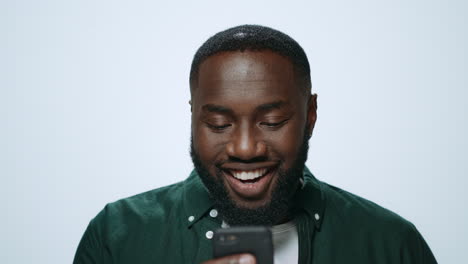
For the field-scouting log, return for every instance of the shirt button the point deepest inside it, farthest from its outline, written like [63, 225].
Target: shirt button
[214, 213]
[191, 218]
[209, 234]
[317, 217]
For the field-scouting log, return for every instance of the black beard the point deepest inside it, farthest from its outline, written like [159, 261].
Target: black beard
[279, 208]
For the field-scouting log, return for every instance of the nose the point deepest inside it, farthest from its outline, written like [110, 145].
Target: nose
[245, 144]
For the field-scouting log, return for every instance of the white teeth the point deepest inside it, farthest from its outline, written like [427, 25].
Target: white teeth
[248, 175]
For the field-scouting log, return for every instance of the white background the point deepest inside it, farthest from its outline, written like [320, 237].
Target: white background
[93, 108]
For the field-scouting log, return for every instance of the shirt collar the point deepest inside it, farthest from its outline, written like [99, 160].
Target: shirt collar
[311, 198]
[197, 201]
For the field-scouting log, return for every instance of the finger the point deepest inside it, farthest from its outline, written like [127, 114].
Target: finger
[233, 259]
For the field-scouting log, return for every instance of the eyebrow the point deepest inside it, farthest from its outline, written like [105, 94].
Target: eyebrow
[270, 106]
[212, 108]
[216, 109]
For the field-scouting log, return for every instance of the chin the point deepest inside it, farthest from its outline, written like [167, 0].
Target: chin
[251, 205]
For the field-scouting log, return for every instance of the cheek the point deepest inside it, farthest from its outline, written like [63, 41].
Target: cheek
[287, 142]
[208, 145]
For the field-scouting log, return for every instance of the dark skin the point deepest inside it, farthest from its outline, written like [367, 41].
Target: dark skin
[249, 114]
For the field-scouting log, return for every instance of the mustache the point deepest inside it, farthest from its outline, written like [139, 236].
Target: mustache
[239, 160]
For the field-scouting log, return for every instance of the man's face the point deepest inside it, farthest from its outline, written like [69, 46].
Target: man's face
[250, 125]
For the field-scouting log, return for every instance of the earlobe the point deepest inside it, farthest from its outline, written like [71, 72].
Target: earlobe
[311, 114]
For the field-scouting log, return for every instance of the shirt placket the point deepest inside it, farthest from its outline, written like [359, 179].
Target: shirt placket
[205, 229]
[306, 233]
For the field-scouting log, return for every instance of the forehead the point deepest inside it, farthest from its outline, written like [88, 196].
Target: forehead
[252, 65]
[243, 75]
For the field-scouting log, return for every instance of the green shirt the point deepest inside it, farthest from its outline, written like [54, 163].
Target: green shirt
[173, 225]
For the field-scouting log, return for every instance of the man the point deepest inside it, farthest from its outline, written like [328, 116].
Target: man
[252, 116]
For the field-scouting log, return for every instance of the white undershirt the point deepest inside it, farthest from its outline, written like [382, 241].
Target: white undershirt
[285, 243]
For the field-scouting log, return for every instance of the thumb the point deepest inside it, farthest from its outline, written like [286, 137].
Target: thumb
[246, 259]
[233, 259]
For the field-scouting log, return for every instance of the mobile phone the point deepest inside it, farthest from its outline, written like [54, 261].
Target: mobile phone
[256, 240]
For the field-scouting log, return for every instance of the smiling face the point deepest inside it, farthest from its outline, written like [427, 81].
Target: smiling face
[250, 126]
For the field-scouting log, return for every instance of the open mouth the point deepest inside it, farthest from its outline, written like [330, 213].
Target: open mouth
[248, 177]
[248, 182]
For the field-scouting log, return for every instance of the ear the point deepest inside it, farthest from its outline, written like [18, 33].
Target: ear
[311, 114]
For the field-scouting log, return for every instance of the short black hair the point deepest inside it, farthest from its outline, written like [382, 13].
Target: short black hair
[254, 38]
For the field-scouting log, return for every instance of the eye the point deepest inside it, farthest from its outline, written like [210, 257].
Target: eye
[274, 124]
[218, 128]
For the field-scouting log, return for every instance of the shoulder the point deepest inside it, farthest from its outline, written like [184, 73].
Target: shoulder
[120, 224]
[359, 214]
[147, 203]
[358, 221]
[137, 212]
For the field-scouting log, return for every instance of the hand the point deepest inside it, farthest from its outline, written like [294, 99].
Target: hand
[233, 259]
